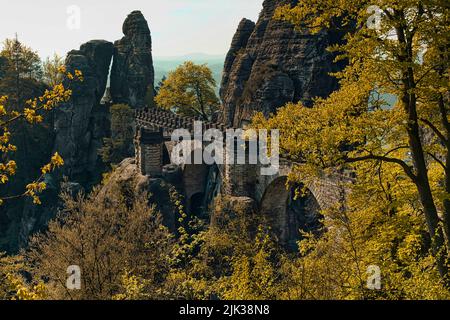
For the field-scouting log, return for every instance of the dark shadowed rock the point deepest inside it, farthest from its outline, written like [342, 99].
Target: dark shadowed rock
[275, 65]
[132, 72]
[81, 124]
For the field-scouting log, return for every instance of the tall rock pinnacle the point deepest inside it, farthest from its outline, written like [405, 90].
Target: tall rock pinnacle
[78, 134]
[132, 72]
[271, 63]
[239, 42]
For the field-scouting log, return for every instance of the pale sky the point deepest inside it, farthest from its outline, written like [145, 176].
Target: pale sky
[178, 27]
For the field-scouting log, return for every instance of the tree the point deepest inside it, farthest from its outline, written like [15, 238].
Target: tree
[189, 91]
[120, 145]
[23, 63]
[3, 66]
[20, 68]
[381, 228]
[13, 285]
[160, 84]
[13, 113]
[113, 238]
[406, 56]
[234, 258]
[51, 74]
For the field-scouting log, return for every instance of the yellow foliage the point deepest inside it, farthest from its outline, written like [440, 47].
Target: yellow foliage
[32, 114]
[401, 149]
[133, 288]
[23, 292]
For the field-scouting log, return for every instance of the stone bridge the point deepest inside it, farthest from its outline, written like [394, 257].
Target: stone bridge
[272, 195]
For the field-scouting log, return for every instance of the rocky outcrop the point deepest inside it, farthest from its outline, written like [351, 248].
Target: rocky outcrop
[133, 183]
[132, 74]
[275, 65]
[240, 39]
[82, 123]
[77, 128]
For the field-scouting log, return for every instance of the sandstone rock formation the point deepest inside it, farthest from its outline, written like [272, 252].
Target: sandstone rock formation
[82, 123]
[132, 74]
[240, 39]
[129, 179]
[271, 64]
[77, 128]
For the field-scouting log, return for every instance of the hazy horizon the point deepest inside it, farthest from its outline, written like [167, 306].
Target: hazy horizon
[178, 27]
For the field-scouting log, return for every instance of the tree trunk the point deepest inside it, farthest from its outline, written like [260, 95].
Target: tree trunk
[423, 185]
[409, 102]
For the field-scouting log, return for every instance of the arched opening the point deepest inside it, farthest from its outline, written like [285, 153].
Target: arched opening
[213, 185]
[287, 215]
[166, 155]
[204, 180]
[195, 178]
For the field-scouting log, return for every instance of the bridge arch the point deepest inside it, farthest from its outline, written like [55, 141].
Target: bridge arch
[202, 183]
[288, 215]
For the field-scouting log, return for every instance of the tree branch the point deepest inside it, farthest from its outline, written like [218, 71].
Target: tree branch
[435, 158]
[435, 130]
[408, 170]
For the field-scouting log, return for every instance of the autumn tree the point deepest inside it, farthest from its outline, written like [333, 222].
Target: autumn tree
[381, 230]
[51, 70]
[405, 55]
[113, 238]
[189, 91]
[235, 257]
[159, 85]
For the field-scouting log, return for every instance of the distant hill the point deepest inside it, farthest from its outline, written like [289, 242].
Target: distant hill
[163, 65]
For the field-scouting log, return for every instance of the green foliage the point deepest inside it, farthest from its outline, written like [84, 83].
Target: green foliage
[3, 66]
[135, 258]
[254, 274]
[51, 70]
[189, 91]
[376, 229]
[120, 145]
[22, 60]
[236, 259]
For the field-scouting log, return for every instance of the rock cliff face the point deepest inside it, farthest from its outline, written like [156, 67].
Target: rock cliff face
[82, 123]
[270, 64]
[77, 128]
[132, 74]
[240, 39]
